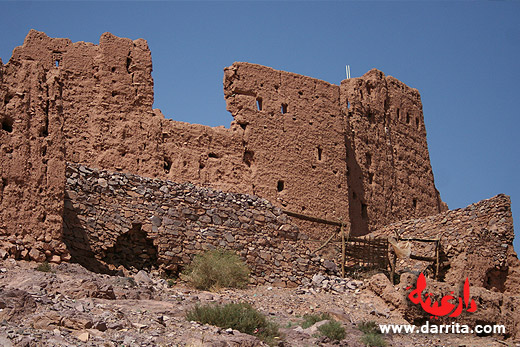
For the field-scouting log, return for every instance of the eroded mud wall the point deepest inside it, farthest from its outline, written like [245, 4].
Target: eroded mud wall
[355, 153]
[389, 171]
[294, 135]
[32, 165]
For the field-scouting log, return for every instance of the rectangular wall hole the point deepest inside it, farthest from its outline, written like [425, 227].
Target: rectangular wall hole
[284, 108]
[370, 177]
[248, 157]
[167, 165]
[259, 104]
[280, 186]
[407, 118]
[417, 122]
[320, 151]
[414, 203]
[7, 125]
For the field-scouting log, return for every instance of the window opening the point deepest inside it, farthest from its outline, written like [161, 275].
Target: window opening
[7, 125]
[259, 104]
[167, 165]
[280, 186]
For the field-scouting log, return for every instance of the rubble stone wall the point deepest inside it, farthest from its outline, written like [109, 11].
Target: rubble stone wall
[477, 242]
[114, 219]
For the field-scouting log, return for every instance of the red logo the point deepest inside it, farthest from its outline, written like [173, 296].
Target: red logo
[447, 306]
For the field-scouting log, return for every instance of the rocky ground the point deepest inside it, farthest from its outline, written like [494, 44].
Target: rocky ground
[70, 306]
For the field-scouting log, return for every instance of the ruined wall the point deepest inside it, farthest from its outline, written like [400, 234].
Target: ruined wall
[106, 92]
[206, 156]
[114, 219]
[293, 133]
[477, 241]
[294, 140]
[32, 166]
[389, 171]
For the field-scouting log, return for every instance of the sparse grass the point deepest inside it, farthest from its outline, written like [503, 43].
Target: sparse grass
[170, 282]
[372, 336]
[373, 340]
[290, 324]
[311, 319]
[333, 330]
[239, 316]
[44, 267]
[361, 273]
[368, 327]
[216, 269]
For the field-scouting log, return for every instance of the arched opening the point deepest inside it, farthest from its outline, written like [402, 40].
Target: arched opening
[133, 249]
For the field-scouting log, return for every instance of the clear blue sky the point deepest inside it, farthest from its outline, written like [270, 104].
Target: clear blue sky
[463, 57]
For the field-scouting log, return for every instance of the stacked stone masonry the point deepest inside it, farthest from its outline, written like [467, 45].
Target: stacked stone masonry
[476, 242]
[117, 219]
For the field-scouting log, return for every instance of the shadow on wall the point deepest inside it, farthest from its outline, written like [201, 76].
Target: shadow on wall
[76, 239]
[357, 208]
[132, 249]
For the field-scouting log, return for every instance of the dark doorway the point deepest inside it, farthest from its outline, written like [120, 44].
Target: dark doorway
[133, 249]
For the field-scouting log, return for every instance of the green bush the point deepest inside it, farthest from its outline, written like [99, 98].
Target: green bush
[373, 340]
[333, 330]
[372, 336]
[44, 267]
[368, 327]
[311, 319]
[242, 317]
[216, 269]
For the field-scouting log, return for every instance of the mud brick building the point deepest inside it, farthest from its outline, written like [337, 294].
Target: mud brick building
[354, 153]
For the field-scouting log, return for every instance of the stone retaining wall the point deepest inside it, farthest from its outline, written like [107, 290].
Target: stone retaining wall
[477, 241]
[114, 219]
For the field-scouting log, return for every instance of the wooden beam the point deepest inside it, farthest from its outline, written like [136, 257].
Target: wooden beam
[419, 257]
[418, 240]
[312, 219]
[342, 251]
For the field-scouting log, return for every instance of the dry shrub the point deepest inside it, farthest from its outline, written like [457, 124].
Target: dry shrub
[216, 269]
[238, 316]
